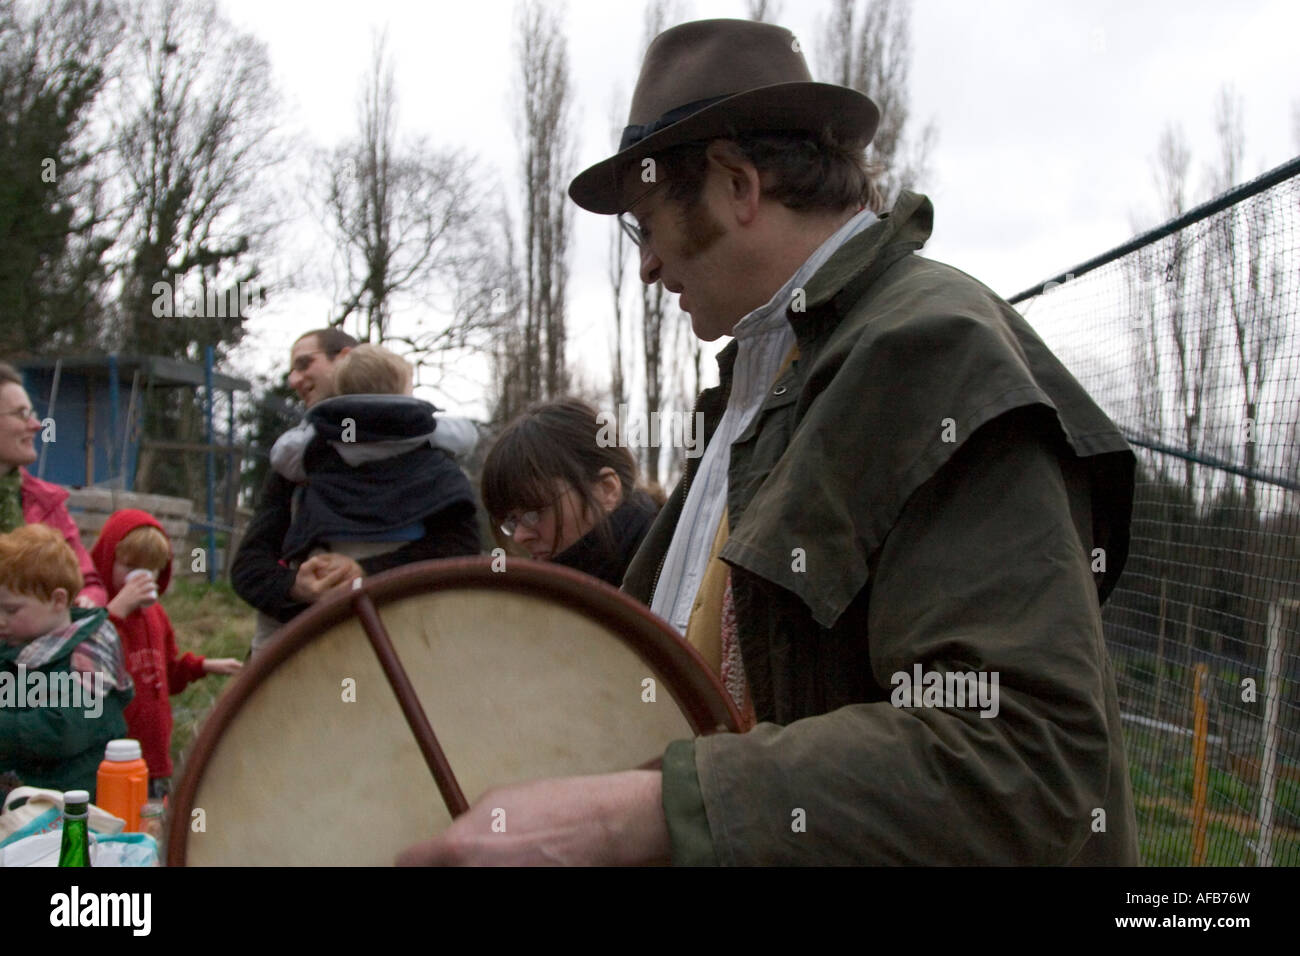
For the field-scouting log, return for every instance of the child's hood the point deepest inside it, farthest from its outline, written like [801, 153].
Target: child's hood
[118, 526]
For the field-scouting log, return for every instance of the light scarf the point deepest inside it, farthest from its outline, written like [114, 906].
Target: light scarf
[100, 653]
[763, 339]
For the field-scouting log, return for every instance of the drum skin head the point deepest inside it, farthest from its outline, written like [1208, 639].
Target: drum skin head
[310, 758]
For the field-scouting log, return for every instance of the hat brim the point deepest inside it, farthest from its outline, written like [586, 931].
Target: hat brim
[803, 106]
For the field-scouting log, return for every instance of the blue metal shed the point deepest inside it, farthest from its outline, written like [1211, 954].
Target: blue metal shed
[95, 401]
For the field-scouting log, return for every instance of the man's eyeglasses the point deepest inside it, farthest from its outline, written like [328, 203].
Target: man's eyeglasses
[629, 224]
[633, 231]
[303, 360]
[22, 414]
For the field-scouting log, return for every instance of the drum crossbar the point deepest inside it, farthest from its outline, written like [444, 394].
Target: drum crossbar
[409, 701]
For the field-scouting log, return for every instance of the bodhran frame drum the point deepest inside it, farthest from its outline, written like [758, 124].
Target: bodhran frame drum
[378, 715]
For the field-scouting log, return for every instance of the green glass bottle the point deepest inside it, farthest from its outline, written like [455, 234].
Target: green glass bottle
[75, 850]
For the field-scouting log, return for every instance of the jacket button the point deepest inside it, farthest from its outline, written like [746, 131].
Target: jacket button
[779, 390]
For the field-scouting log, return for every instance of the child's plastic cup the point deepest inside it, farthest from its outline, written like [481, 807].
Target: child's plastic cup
[122, 783]
[137, 572]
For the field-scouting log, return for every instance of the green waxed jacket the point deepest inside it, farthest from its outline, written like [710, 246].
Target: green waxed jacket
[925, 486]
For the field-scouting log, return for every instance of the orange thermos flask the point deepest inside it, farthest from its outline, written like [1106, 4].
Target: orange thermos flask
[122, 783]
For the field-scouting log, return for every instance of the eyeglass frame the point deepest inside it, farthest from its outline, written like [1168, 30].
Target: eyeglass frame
[529, 519]
[23, 414]
[631, 228]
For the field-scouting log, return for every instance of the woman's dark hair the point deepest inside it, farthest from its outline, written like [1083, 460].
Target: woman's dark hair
[329, 341]
[565, 440]
[801, 170]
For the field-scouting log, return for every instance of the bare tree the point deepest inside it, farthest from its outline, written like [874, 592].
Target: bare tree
[763, 10]
[546, 160]
[508, 361]
[619, 250]
[1229, 129]
[54, 235]
[404, 219]
[195, 144]
[1244, 263]
[871, 52]
[656, 349]
[1192, 331]
[1169, 172]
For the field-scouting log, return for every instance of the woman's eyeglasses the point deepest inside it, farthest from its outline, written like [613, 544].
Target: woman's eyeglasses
[22, 414]
[529, 519]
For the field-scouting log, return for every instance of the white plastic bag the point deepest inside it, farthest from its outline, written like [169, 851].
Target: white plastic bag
[42, 849]
[43, 813]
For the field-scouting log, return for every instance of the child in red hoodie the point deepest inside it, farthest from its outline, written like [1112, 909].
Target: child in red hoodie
[132, 542]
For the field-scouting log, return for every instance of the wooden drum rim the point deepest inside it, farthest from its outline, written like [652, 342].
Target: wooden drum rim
[704, 702]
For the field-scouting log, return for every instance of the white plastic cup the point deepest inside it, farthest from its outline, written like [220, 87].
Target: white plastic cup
[153, 591]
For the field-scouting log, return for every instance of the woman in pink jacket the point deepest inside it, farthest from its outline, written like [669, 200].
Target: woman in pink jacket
[25, 499]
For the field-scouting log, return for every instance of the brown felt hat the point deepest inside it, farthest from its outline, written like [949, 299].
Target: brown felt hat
[715, 78]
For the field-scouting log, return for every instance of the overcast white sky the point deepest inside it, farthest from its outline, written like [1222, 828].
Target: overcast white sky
[1047, 115]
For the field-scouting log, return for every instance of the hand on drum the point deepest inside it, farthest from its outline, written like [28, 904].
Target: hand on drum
[321, 573]
[608, 820]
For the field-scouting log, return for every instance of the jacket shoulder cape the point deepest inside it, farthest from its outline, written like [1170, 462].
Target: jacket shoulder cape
[920, 489]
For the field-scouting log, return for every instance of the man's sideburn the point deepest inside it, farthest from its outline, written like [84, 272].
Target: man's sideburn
[700, 230]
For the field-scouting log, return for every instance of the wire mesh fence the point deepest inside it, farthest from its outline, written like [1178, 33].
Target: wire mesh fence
[1188, 337]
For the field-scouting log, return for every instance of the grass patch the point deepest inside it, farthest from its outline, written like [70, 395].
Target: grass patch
[209, 620]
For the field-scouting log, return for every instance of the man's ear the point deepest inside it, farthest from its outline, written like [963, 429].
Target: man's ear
[743, 184]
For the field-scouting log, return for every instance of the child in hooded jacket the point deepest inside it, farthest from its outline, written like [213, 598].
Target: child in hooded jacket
[132, 541]
[373, 468]
[63, 683]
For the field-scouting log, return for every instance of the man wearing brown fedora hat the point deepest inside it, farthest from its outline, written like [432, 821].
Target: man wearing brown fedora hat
[895, 545]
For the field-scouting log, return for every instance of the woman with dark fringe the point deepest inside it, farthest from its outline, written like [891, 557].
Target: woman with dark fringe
[555, 485]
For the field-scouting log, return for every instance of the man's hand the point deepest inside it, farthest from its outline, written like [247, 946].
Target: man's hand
[137, 592]
[222, 665]
[609, 820]
[322, 572]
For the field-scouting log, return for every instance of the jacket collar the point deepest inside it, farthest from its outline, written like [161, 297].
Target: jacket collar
[41, 497]
[606, 553]
[900, 231]
[854, 265]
